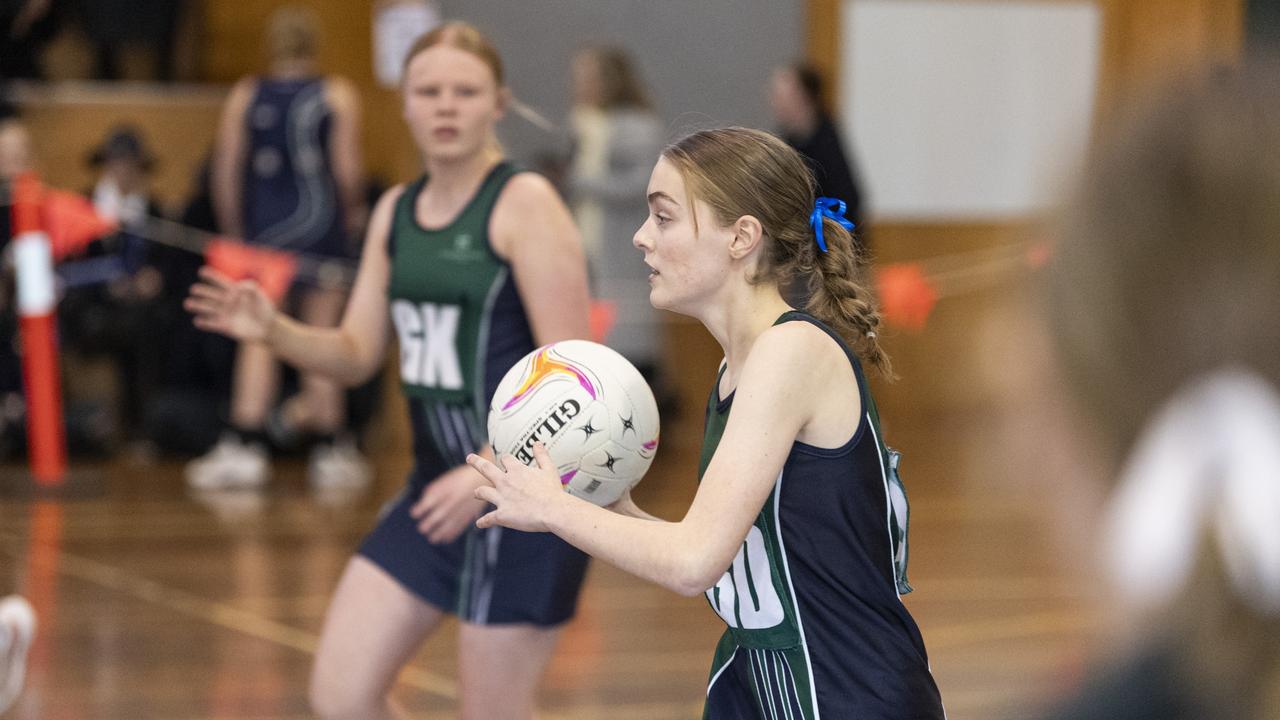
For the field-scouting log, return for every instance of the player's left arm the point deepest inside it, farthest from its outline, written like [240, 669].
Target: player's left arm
[534, 232]
[775, 398]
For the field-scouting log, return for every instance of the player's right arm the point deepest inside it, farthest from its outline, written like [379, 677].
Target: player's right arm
[350, 353]
[229, 159]
[785, 378]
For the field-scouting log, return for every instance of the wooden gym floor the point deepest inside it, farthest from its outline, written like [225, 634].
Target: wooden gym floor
[155, 603]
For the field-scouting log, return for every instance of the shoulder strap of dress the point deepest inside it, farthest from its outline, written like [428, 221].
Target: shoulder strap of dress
[404, 211]
[864, 389]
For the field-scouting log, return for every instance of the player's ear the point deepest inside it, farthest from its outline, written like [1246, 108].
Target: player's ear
[747, 235]
[505, 101]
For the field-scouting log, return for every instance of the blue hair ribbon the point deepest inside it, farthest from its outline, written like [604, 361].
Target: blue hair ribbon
[824, 208]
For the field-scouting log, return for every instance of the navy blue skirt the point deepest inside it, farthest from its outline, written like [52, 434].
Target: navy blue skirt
[494, 576]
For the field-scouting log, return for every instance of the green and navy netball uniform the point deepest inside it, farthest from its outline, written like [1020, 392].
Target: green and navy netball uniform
[817, 628]
[461, 325]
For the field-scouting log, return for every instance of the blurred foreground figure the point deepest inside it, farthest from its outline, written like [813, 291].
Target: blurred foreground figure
[1163, 302]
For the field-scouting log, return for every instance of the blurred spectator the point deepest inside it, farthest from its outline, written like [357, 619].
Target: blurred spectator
[26, 27]
[798, 100]
[15, 148]
[114, 304]
[287, 175]
[1162, 299]
[617, 136]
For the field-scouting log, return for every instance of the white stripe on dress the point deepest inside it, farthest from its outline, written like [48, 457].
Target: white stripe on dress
[888, 506]
[720, 672]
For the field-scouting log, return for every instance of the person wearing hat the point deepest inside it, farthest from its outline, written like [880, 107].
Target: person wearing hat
[124, 162]
[115, 303]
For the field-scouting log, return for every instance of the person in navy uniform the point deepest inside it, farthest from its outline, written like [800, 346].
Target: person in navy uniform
[797, 532]
[287, 175]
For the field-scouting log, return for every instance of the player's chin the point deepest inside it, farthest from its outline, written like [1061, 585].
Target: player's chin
[445, 152]
[660, 299]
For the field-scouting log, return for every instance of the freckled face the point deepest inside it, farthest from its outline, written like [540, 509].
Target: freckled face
[687, 265]
[451, 102]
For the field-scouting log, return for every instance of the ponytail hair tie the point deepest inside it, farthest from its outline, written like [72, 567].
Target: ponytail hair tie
[823, 209]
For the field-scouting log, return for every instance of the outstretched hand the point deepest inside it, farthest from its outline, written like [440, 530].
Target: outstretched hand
[523, 496]
[239, 310]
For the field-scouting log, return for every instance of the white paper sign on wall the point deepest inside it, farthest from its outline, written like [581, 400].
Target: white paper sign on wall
[396, 24]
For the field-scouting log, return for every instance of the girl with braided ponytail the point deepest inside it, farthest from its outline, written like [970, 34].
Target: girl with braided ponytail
[797, 534]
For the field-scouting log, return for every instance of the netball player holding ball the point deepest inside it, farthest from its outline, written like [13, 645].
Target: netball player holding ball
[794, 534]
[477, 263]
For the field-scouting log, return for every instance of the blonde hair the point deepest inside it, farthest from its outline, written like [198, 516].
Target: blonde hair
[293, 33]
[463, 36]
[738, 171]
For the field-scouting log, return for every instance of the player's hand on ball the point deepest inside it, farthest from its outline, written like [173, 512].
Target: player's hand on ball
[448, 505]
[239, 310]
[521, 494]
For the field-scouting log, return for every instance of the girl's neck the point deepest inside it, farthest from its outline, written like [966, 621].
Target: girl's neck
[747, 312]
[292, 68]
[459, 177]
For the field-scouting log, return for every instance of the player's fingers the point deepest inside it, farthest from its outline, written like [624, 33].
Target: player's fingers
[207, 291]
[489, 494]
[491, 472]
[446, 533]
[200, 306]
[209, 324]
[245, 290]
[213, 277]
[457, 524]
[437, 517]
[435, 523]
[487, 520]
[424, 503]
[434, 532]
[543, 457]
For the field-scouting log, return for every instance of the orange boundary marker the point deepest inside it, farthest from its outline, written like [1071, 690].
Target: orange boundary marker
[33, 264]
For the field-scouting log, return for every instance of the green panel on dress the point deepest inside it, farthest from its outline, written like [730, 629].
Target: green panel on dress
[443, 284]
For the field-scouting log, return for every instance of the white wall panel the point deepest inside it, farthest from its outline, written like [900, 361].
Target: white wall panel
[967, 110]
